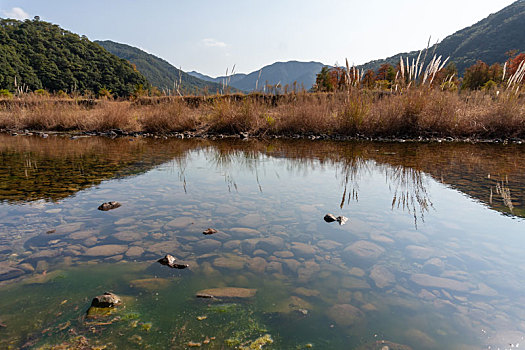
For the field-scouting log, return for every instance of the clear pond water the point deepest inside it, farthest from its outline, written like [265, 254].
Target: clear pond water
[432, 256]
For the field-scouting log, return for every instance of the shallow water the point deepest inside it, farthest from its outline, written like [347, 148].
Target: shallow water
[430, 258]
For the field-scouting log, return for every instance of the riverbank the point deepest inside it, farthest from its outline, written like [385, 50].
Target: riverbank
[420, 114]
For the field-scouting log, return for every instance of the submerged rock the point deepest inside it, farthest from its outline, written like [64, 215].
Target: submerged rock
[169, 260]
[344, 314]
[365, 250]
[382, 276]
[106, 250]
[424, 280]
[383, 345]
[150, 284]
[227, 292]
[8, 272]
[106, 300]
[109, 206]
[209, 231]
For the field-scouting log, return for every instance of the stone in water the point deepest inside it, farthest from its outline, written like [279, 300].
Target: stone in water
[210, 231]
[330, 218]
[169, 260]
[109, 205]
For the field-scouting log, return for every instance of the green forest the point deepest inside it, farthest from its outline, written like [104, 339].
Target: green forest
[35, 54]
[159, 72]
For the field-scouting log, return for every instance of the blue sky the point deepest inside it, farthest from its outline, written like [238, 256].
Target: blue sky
[210, 35]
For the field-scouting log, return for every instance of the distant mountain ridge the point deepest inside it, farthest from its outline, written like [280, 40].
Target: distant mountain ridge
[159, 72]
[487, 40]
[303, 74]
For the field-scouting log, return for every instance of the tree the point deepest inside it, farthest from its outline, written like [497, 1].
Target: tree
[514, 63]
[40, 55]
[324, 80]
[386, 72]
[369, 78]
[476, 76]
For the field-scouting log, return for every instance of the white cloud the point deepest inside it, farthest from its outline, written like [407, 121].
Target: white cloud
[210, 42]
[16, 13]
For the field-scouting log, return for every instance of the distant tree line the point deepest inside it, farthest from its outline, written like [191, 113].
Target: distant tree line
[37, 55]
[479, 76]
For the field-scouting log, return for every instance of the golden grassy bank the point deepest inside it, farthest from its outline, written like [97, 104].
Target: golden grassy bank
[412, 113]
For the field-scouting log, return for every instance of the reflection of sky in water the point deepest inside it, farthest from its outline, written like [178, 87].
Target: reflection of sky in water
[476, 246]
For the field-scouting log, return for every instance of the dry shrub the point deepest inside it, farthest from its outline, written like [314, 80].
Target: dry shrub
[305, 114]
[170, 116]
[110, 115]
[46, 115]
[231, 117]
[439, 115]
[503, 116]
[421, 111]
[352, 110]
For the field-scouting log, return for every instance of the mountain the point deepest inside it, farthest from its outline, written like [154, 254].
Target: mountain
[488, 40]
[39, 55]
[159, 72]
[285, 73]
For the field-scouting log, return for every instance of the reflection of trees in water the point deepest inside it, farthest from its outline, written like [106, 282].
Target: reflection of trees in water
[33, 168]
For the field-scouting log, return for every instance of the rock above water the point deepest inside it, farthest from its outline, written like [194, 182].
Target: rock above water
[365, 250]
[170, 261]
[330, 218]
[227, 292]
[342, 220]
[107, 299]
[381, 276]
[209, 231]
[109, 206]
[439, 282]
[106, 250]
[344, 314]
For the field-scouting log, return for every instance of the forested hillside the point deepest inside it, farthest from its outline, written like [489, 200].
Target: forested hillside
[39, 55]
[488, 40]
[159, 72]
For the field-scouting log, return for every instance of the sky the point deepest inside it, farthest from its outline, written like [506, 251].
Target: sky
[210, 36]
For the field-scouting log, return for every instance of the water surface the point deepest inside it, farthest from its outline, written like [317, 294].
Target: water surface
[430, 258]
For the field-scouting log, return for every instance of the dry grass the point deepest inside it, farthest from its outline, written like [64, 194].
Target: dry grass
[421, 111]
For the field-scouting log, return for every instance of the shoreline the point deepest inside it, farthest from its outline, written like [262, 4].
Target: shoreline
[118, 133]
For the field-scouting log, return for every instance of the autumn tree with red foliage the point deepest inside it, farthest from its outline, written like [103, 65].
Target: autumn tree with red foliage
[514, 63]
[386, 72]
